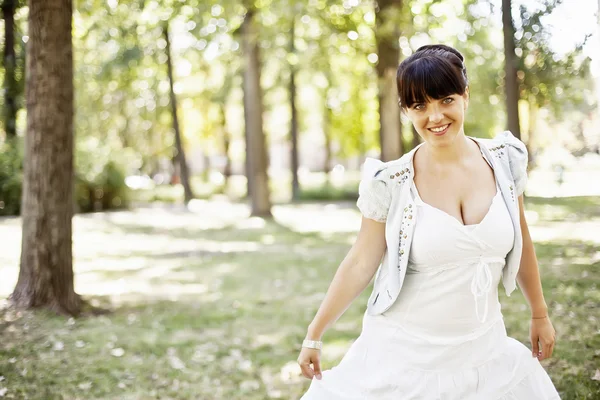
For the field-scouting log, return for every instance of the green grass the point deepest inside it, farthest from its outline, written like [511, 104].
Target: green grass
[210, 306]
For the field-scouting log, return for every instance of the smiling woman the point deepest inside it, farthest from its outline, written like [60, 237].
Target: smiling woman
[433, 90]
[442, 225]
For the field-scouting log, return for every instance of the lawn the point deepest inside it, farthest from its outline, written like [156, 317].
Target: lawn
[209, 304]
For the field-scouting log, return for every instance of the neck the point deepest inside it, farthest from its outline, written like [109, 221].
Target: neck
[452, 153]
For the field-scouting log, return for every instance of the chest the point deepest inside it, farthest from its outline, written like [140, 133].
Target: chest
[465, 194]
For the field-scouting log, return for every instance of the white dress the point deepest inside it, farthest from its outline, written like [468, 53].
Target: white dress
[444, 337]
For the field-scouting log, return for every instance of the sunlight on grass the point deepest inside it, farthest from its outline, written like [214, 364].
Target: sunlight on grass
[210, 304]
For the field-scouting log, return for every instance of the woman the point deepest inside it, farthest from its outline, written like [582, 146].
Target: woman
[448, 220]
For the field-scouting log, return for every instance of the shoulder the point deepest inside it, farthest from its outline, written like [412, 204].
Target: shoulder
[394, 171]
[506, 146]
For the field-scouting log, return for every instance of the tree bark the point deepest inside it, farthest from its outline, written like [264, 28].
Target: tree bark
[388, 51]
[180, 156]
[253, 108]
[10, 64]
[511, 84]
[46, 270]
[294, 164]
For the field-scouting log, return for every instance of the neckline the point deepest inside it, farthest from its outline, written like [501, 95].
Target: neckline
[469, 226]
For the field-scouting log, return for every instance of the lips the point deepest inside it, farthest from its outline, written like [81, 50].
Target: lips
[437, 132]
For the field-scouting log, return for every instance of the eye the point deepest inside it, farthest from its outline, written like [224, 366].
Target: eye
[419, 106]
[448, 100]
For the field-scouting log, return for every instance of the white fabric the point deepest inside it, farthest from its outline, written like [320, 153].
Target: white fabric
[385, 196]
[374, 197]
[434, 343]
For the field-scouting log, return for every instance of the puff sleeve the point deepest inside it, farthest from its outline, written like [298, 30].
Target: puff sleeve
[517, 159]
[374, 197]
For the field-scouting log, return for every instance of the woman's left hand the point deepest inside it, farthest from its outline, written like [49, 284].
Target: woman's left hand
[543, 338]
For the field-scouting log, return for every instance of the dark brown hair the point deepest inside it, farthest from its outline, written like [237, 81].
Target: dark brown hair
[432, 72]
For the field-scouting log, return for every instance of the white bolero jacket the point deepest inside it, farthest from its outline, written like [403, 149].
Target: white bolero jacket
[385, 196]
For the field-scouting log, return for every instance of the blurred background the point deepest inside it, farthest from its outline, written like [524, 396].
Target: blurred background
[216, 159]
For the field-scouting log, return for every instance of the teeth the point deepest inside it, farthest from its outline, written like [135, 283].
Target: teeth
[440, 129]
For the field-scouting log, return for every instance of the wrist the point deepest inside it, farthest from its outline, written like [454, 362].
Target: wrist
[314, 333]
[540, 311]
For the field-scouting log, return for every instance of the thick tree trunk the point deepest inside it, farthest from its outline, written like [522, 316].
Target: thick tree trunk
[10, 63]
[46, 273]
[388, 51]
[511, 84]
[181, 159]
[294, 164]
[256, 152]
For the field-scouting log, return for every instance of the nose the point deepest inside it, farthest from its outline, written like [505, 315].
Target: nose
[435, 115]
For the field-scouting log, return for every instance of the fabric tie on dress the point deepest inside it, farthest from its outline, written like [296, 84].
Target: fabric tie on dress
[482, 284]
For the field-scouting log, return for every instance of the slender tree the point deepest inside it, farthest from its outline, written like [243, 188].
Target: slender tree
[180, 152]
[511, 85]
[46, 271]
[256, 152]
[294, 111]
[387, 35]
[10, 63]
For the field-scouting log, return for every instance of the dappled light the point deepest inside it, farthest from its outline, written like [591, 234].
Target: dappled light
[179, 180]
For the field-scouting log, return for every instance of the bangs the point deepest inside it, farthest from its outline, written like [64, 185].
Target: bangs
[428, 78]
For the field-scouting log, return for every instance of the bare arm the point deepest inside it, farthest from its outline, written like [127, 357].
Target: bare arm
[352, 277]
[529, 273]
[541, 331]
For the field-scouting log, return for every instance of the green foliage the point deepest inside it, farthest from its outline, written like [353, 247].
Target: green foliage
[330, 193]
[100, 177]
[99, 180]
[11, 175]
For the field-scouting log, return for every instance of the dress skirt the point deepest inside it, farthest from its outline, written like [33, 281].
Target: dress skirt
[386, 363]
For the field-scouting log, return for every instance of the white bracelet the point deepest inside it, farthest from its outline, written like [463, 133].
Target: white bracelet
[312, 344]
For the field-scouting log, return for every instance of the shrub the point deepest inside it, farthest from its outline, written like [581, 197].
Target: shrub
[11, 177]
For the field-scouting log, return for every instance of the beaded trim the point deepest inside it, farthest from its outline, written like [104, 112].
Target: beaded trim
[407, 220]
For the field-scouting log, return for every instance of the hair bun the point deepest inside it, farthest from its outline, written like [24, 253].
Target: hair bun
[441, 48]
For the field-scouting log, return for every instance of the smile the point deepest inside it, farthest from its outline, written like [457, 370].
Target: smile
[440, 130]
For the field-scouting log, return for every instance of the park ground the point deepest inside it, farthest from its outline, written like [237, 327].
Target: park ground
[207, 303]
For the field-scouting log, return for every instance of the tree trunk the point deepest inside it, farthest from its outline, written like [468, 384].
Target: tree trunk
[388, 51]
[226, 143]
[511, 85]
[294, 164]
[10, 63]
[598, 63]
[328, 144]
[531, 130]
[181, 160]
[253, 108]
[416, 140]
[46, 271]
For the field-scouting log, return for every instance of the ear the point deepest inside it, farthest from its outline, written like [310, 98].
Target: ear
[466, 98]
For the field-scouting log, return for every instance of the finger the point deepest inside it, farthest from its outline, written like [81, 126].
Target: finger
[535, 347]
[317, 368]
[546, 350]
[307, 370]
